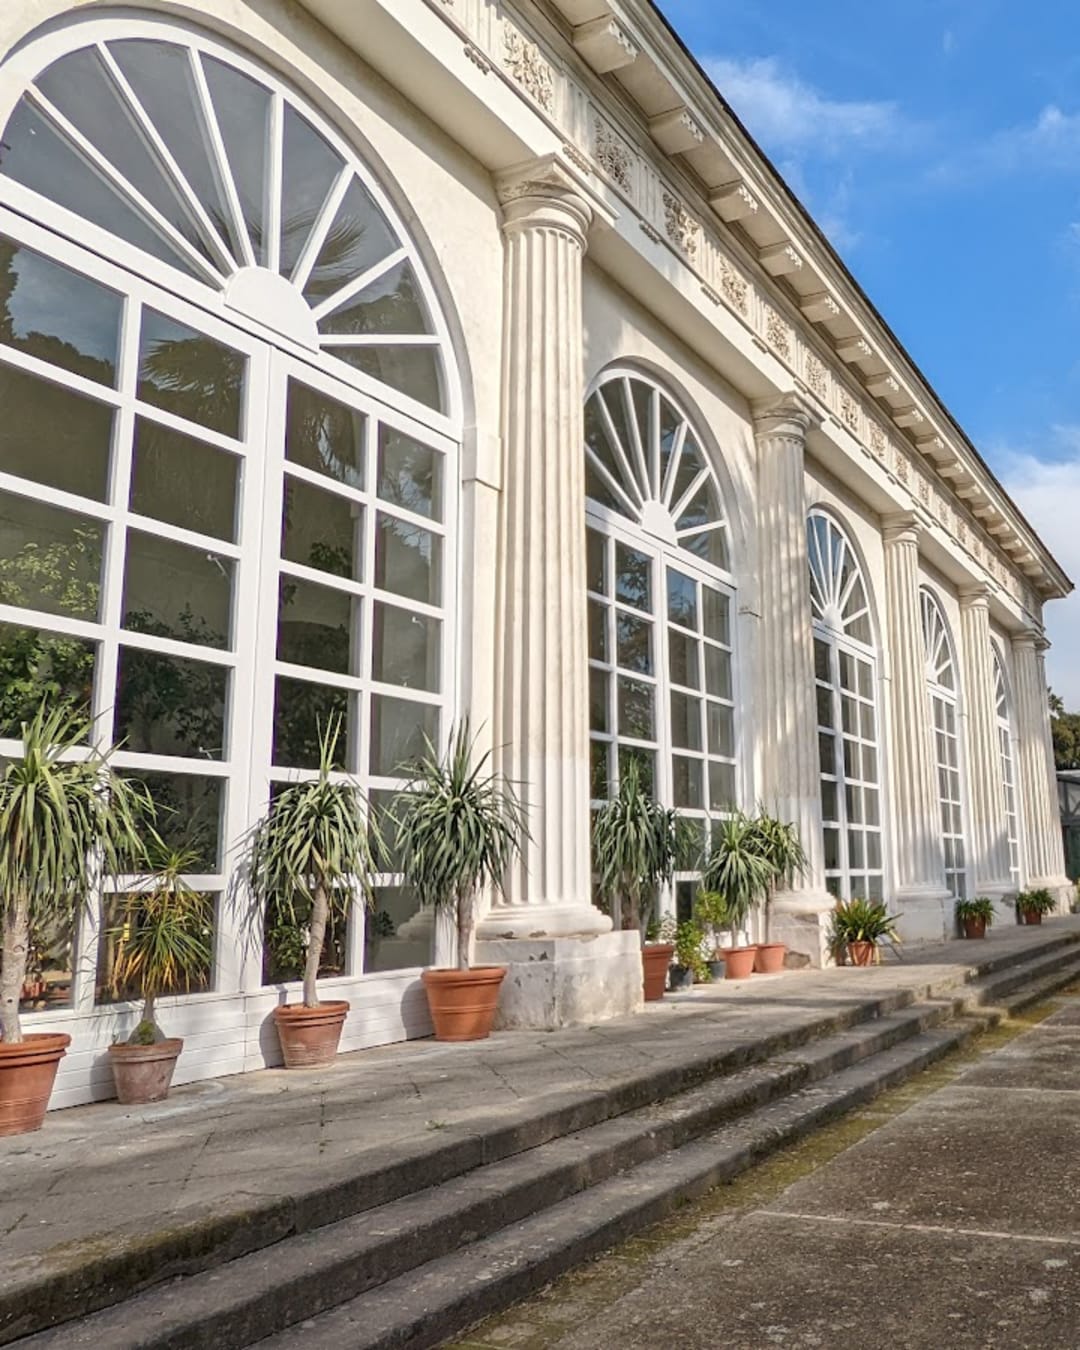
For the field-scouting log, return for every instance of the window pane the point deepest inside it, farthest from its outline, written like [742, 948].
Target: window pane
[242, 107]
[397, 933]
[683, 659]
[407, 560]
[596, 562]
[50, 560]
[826, 752]
[53, 313]
[54, 436]
[682, 600]
[398, 732]
[599, 771]
[183, 481]
[633, 643]
[175, 591]
[832, 850]
[324, 435]
[118, 915]
[636, 716]
[301, 709]
[410, 474]
[824, 707]
[646, 765]
[309, 168]
[821, 661]
[598, 700]
[317, 626]
[686, 722]
[321, 529]
[829, 800]
[170, 705]
[359, 237]
[686, 781]
[189, 374]
[721, 730]
[33, 664]
[721, 786]
[393, 304]
[189, 813]
[717, 608]
[405, 648]
[49, 966]
[285, 933]
[597, 631]
[633, 578]
[718, 672]
[415, 371]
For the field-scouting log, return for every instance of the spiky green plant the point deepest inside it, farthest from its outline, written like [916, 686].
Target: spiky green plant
[162, 941]
[458, 829]
[319, 837]
[713, 914]
[737, 866]
[779, 843]
[66, 817]
[635, 844]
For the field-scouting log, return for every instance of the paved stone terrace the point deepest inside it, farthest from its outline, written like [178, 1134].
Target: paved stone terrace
[97, 1174]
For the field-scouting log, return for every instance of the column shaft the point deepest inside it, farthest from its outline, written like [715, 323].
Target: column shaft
[1040, 815]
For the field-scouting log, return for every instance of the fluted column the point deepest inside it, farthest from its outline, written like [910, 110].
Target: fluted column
[915, 809]
[790, 764]
[986, 788]
[542, 728]
[1039, 809]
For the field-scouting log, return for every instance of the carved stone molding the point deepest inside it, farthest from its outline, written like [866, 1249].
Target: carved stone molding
[816, 375]
[734, 287]
[777, 334]
[682, 228]
[605, 44]
[849, 411]
[613, 156]
[523, 60]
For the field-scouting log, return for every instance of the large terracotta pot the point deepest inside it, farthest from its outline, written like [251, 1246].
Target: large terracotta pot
[1031, 916]
[655, 959]
[738, 962]
[143, 1073]
[974, 927]
[27, 1074]
[309, 1036]
[462, 1002]
[862, 953]
[770, 958]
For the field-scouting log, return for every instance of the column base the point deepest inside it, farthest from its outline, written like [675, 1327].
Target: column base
[1061, 888]
[541, 921]
[554, 982]
[802, 920]
[926, 915]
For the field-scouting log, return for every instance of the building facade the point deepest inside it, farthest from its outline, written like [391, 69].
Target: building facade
[414, 359]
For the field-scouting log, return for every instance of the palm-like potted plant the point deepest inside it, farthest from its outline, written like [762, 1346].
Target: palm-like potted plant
[975, 916]
[779, 844]
[66, 818]
[1032, 905]
[858, 928]
[161, 944]
[316, 842]
[635, 844]
[737, 869]
[459, 827]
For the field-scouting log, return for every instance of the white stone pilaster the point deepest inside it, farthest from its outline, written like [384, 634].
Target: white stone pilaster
[989, 840]
[919, 861]
[1039, 810]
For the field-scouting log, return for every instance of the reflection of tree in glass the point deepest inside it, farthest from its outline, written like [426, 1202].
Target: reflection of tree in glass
[325, 435]
[300, 708]
[306, 641]
[195, 378]
[188, 814]
[166, 698]
[633, 579]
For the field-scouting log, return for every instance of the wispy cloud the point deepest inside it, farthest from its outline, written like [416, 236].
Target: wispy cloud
[1050, 143]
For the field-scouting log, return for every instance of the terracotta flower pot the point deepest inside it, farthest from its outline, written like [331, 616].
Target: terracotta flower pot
[655, 959]
[770, 958]
[309, 1036]
[27, 1074]
[974, 927]
[738, 962]
[462, 1002]
[143, 1073]
[1031, 916]
[682, 977]
[862, 953]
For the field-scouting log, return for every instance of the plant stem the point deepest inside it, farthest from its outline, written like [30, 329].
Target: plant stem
[465, 930]
[16, 950]
[320, 909]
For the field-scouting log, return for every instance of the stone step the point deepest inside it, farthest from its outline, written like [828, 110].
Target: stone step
[1030, 994]
[256, 1294]
[430, 1305]
[997, 986]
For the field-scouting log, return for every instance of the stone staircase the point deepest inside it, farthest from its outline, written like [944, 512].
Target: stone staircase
[457, 1240]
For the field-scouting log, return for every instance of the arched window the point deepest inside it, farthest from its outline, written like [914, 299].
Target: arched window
[228, 449]
[943, 689]
[1008, 767]
[845, 667]
[661, 605]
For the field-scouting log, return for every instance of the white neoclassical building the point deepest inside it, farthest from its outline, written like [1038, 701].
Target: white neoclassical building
[416, 358]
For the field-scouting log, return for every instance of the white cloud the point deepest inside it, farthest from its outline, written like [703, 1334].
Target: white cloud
[1050, 143]
[1048, 493]
[948, 42]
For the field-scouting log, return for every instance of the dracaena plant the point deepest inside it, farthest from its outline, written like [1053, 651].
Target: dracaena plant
[635, 845]
[67, 819]
[778, 842]
[738, 866]
[458, 828]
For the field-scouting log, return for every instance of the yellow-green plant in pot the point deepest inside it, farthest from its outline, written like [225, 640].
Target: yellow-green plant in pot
[738, 869]
[66, 818]
[162, 944]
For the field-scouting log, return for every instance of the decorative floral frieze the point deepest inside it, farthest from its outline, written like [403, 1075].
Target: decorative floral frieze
[734, 287]
[682, 228]
[525, 63]
[879, 443]
[849, 411]
[614, 158]
[816, 375]
[777, 334]
[903, 469]
[924, 490]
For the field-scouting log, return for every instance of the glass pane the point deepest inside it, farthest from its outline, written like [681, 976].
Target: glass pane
[597, 631]
[718, 672]
[646, 765]
[405, 648]
[869, 764]
[599, 684]
[599, 772]
[242, 108]
[690, 465]
[821, 661]
[873, 850]
[285, 938]
[189, 813]
[118, 914]
[394, 304]
[636, 716]
[400, 732]
[832, 849]
[702, 508]
[183, 481]
[50, 965]
[35, 663]
[414, 371]
[682, 600]
[322, 530]
[53, 313]
[866, 678]
[849, 712]
[301, 709]
[853, 804]
[851, 760]
[189, 374]
[824, 707]
[50, 560]
[318, 626]
[721, 730]
[826, 752]
[683, 659]
[309, 170]
[597, 490]
[870, 802]
[54, 436]
[710, 545]
[324, 435]
[686, 781]
[721, 786]
[829, 801]
[717, 614]
[855, 849]
[869, 727]
[410, 474]
[359, 237]
[175, 591]
[398, 932]
[847, 671]
[596, 562]
[633, 578]
[686, 722]
[408, 560]
[633, 643]
[39, 158]
[170, 705]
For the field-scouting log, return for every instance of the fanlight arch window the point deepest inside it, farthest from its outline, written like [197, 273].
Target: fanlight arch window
[661, 608]
[190, 155]
[845, 669]
[1008, 765]
[943, 691]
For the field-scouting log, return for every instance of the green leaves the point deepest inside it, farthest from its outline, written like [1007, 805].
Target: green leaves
[982, 907]
[739, 865]
[635, 843]
[859, 920]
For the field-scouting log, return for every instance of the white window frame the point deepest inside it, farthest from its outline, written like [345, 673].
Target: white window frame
[1007, 761]
[947, 745]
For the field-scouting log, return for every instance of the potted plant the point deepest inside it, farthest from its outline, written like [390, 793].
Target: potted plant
[65, 818]
[635, 844]
[712, 913]
[779, 843]
[162, 943]
[690, 965]
[458, 828]
[656, 953]
[858, 928]
[975, 916]
[1032, 905]
[737, 868]
[315, 843]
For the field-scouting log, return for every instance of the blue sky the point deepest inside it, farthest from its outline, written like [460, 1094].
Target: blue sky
[937, 142]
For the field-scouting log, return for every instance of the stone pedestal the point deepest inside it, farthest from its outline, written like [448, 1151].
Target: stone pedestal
[565, 981]
[1044, 849]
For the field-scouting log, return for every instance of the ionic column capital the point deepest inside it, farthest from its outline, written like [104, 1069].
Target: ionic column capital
[901, 527]
[975, 596]
[1029, 639]
[543, 194]
[787, 416]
